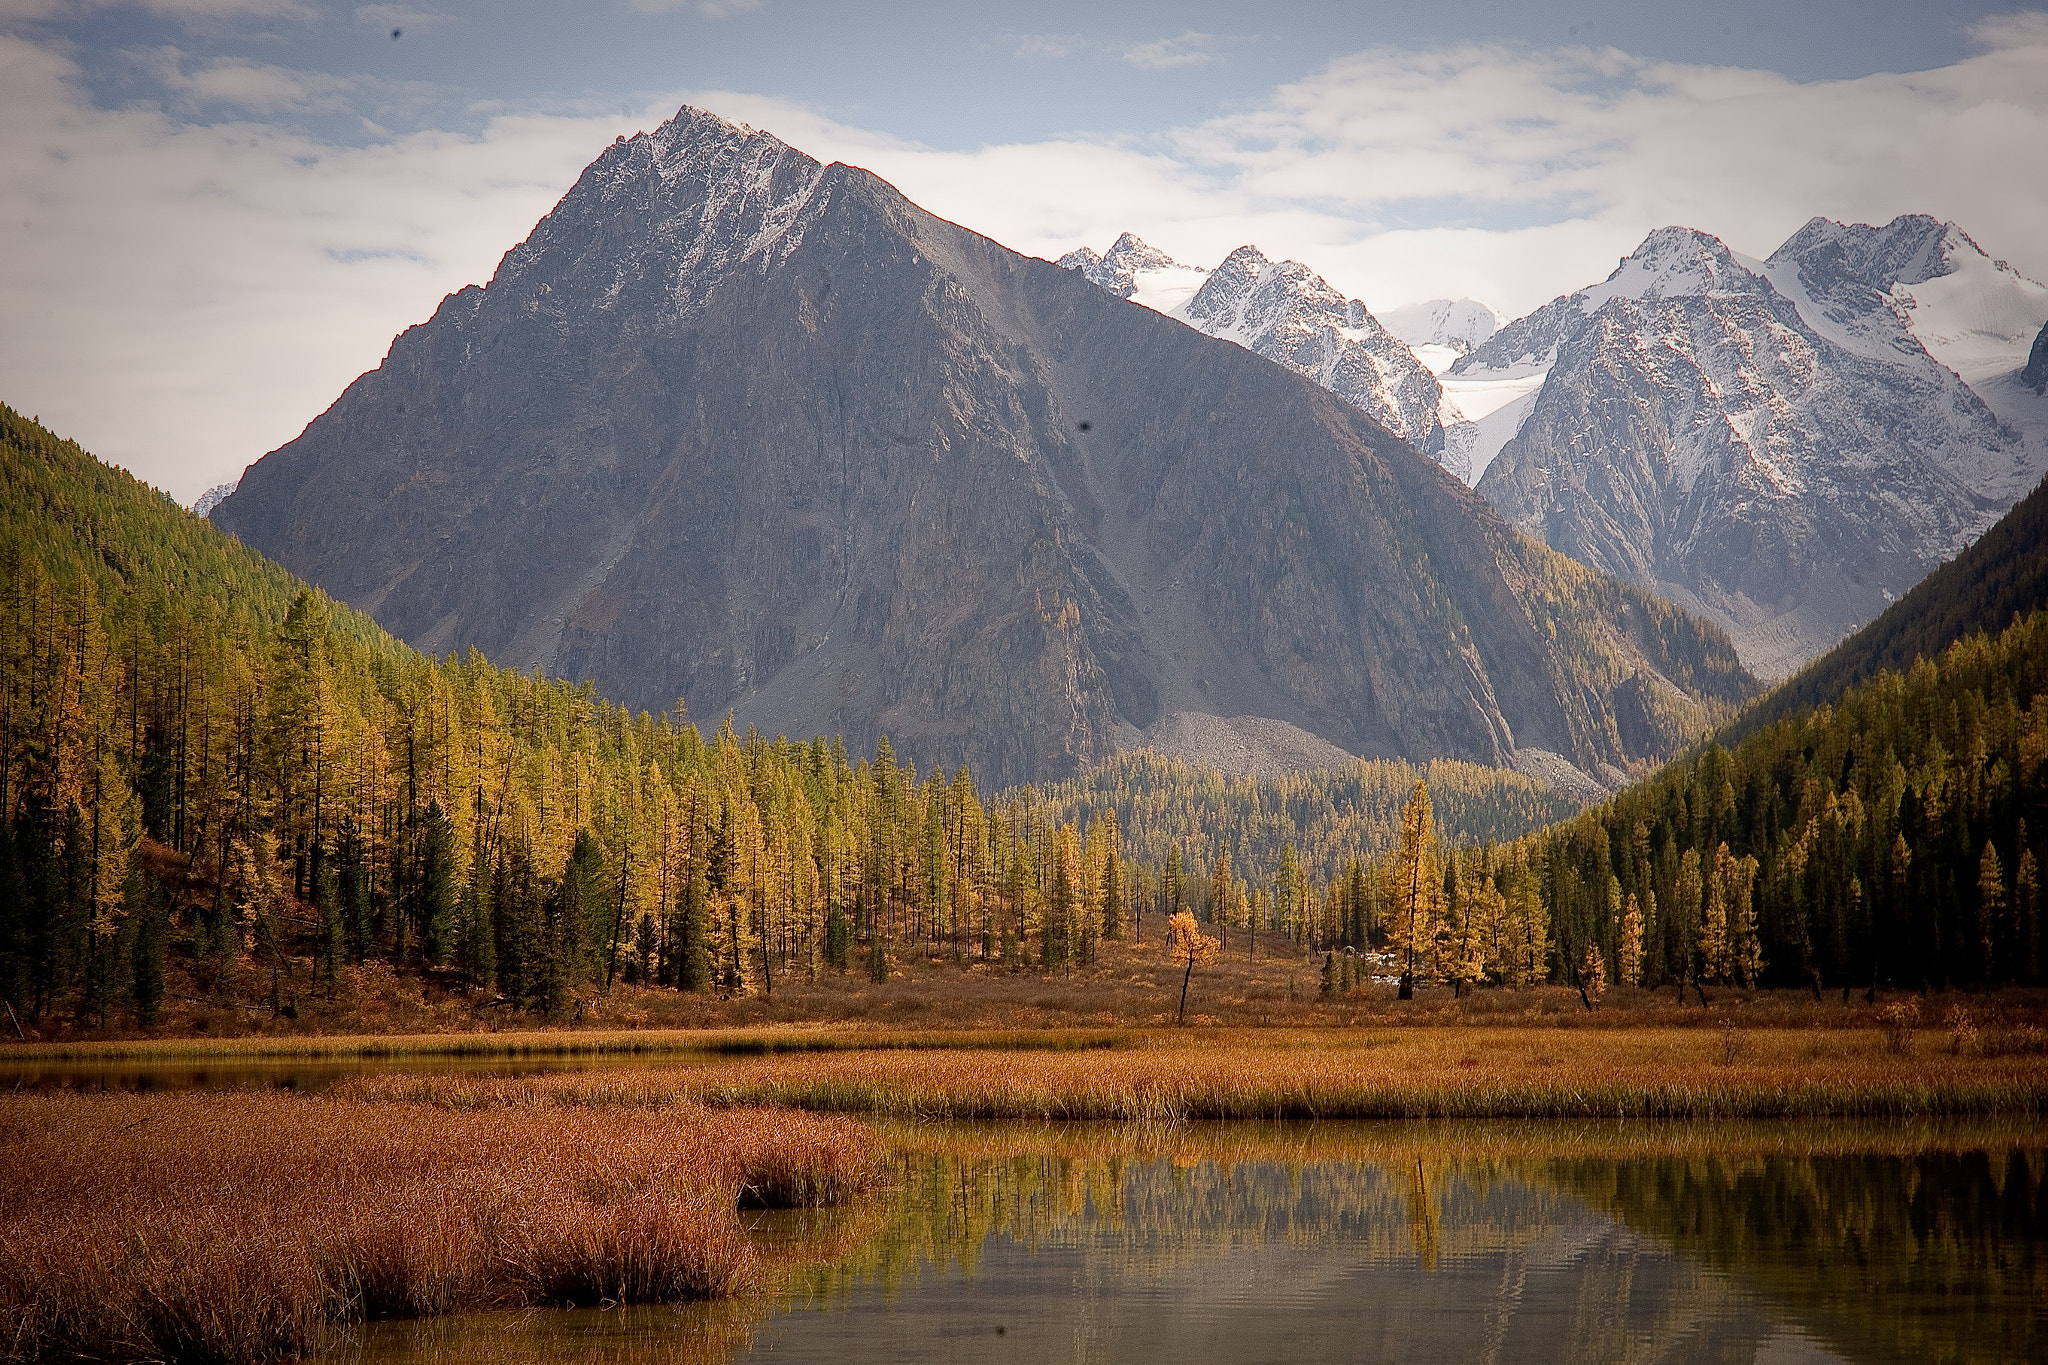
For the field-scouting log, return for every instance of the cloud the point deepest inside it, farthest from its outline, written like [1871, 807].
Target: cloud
[2027, 28]
[183, 296]
[251, 87]
[1047, 46]
[402, 17]
[1597, 146]
[708, 9]
[1162, 54]
[1168, 54]
[35, 11]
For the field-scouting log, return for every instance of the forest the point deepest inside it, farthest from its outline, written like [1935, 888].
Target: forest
[211, 772]
[1883, 840]
[204, 762]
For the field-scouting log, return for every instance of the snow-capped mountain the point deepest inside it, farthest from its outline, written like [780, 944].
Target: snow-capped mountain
[1777, 444]
[745, 428]
[213, 497]
[1441, 330]
[1928, 280]
[1286, 312]
[1143, 274]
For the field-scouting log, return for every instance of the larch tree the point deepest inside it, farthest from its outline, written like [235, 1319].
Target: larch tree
[1418, 888]
[1187, 947]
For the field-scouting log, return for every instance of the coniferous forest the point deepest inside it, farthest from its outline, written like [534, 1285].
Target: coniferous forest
[203, 761]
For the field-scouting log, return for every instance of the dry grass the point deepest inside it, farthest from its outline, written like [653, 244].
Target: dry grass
[241, 1227]
[1468, 1072]
[375, 1012]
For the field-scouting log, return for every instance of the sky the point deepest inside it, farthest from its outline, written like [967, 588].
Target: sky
[215, 214]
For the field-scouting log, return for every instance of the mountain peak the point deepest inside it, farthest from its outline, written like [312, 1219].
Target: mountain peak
[1123, 269]
[1459, 324]
[1674, 262]
[741, 428]
[1911, 249]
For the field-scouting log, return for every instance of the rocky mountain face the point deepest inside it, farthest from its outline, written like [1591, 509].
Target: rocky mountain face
[1767, 443]
[1287, 313]
[740, 428]
[2034, 375]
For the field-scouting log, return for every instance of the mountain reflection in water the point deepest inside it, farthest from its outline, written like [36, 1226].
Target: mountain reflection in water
[1452, 1244]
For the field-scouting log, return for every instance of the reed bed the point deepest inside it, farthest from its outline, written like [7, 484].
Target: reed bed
[1402, 1074]
[1400, 1144]
[243, 1227]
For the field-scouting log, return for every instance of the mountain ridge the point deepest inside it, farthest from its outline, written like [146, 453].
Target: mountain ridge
[759, 432]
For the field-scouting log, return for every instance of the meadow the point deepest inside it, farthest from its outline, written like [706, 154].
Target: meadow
[242, 1227]
[1175, 1075]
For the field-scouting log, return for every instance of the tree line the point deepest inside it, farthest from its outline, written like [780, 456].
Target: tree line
[1887, 839]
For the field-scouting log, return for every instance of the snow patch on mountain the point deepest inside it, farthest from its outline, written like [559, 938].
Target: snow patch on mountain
[1673, 262]
[1918, 288]
[1132, 269]
[1440, 331]
[213, 497]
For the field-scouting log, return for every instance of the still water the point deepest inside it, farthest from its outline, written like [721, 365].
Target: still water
[1412, 1244]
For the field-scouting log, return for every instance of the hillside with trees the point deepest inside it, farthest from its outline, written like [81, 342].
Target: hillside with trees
[1890, 838]
[219, 784]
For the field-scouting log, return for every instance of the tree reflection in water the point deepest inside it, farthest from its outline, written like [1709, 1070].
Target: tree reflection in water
[1367, 1242]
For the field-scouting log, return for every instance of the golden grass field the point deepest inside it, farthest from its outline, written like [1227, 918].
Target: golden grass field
[240, 1227]
[1170, 1075]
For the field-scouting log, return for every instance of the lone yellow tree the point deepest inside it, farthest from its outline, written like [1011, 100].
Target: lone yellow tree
[1188, 947]
[1417, 886]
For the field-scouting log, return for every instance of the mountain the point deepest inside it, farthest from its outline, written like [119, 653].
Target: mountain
[1285, 312]
[757, 432]
[1441, 330]
[1858, 830]
[212, 498]
[1768, 443]
[2002, 575]
[1144, 274]
[2035, 373]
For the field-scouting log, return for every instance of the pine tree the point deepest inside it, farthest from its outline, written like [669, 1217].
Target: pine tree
[1222, 900]
[2027, 911]
[1991, 902]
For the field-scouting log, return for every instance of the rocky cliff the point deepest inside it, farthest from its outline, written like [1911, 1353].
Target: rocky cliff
[739, 428]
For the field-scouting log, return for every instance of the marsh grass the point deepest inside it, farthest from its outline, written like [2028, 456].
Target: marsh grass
[242, 1227]
[1176, 1075]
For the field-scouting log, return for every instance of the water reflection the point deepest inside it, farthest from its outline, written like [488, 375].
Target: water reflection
[1367, 1243]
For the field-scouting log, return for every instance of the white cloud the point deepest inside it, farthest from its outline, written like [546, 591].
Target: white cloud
[252, 87]
[33, 11]
[709, 9]
[183, 298]
[403, 18]
[1048, 46]
[1168, 54]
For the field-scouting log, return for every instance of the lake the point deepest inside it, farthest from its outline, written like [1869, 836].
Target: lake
[1412, 1243]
